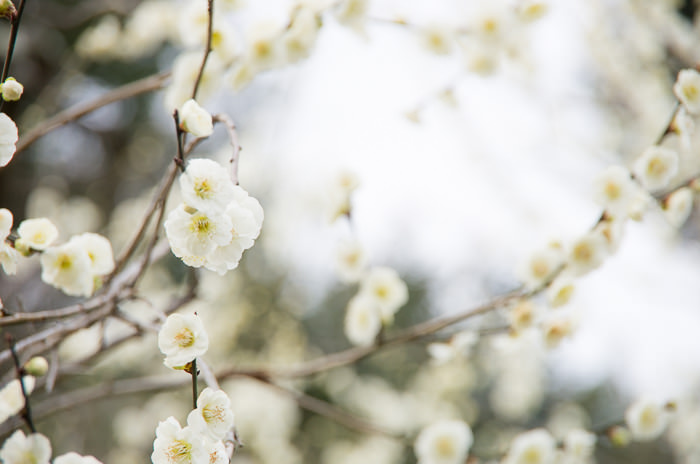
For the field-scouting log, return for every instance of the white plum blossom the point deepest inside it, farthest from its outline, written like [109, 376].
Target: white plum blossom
[213, 416]
[384, 285]
[362, 320]
[579, 445]
[197, 232]
[68, 268]
[687, 90]
[11, 397]
[444, 442]
[206, 186]
[217, 220]
[647, 419]
[216, 451]
[678, 206]
[560, 291]
[99, 250]
[615, 191]
[75, 458]
[8, 139]
[656, 167]
[8, 255]
[541, 266]
[185, 71]
[177, 445]
[530, 10]
[195, 119]
[437, 39]
[36, 234]
[350, 261]
[301, 34]
[587, 253]
[555, 329]
[532, 447]
[181, 339]
[11, 89]
[20, 449]
[522, 315]
[100, 41]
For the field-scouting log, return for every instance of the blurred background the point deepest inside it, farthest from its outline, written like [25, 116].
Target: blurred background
[471, 152]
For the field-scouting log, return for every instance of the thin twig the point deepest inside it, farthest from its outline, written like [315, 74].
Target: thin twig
[26, 409]
[207, 51]
[132, 89]
[233, 140]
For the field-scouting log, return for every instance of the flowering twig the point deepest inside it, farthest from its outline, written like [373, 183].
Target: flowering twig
[26, 410]
[14, 29]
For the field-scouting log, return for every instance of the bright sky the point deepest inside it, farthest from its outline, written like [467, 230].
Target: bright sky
[472, 190]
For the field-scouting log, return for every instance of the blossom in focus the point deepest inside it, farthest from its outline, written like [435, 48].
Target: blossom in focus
[195, 119]
[532, 447]
[445, 442]
[36, 234]
[687, 90]
[647, 419]
[11, 89]
[99, 250]
[75, 458]
[362, 320]
[177, 445]
[213, 416]
[205, 185]
[197, 232]
[8, 139]
[181, 339]
[20, 449]
[386, 288]
[656, 167]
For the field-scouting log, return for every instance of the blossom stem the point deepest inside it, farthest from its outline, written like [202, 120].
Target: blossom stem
[14, 29]
[180, 159]
[193, 373]
[210, 27]
[26, 410]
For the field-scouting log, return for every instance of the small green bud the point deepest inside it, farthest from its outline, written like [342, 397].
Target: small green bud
[37, 366]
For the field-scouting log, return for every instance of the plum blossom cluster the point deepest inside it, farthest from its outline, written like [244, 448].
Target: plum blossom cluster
[216, 220]
[75, 267]
[202, 439]
[36, 448]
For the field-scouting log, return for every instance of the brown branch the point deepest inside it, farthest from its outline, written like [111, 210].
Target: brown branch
[132, 89]
[207, 51]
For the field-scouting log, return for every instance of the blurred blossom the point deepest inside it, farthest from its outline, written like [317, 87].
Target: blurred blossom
[75, 458]
[22, 449]
[388, 291]
[362, 320]
[647, 419]
[350, 260]
[533, 447]
[445, 442]
[678, 206]
[11, 397]
[656, 167]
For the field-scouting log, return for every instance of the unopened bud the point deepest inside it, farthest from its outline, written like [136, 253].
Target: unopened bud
[37, 366]
[11, 89]
[619, 436]
[7, 9]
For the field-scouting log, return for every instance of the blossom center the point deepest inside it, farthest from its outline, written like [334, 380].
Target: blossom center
[203, 188]
[184, 338]
[445, 447]
[213, 413]
[179, 452]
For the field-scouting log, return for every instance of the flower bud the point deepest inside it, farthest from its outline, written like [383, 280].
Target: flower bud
[7, 9]
[37, 366]
[11, 89]
[619, 436]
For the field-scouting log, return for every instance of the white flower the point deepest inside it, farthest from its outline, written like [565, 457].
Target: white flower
[530, 10]
[148, 25]
[6, 220]
[555, 329]
[195, 119]
[437, 39]
[11, 397]
[8, 139]
[384, 285]
[587, 254]
[38, 233]
[21, 449]
[350, 261]
[8, 258]
[264, 47]
[206, 186]
[656, 167]
[181, 339]
[646, 419]
[338, 195]
[75, 458]
[101, 40]
[99, 250]
[560, 291]
[176, 445]
[541, 266]
[185, 70]
[615, 191]
[11, 89]
[459, 345]
[301, 34]
[579, 444]
[687, 90]
[68, 267]
[213, 416]
[362, 320]
[522, 315]
[532, 447]
[217, 452]
[197, 233]
[678, 206]
[445, 442]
